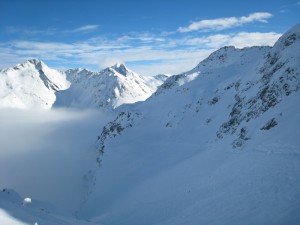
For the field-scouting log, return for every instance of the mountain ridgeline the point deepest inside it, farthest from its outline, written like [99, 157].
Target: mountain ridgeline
[34, 85]
[109, 88]
[30, 85]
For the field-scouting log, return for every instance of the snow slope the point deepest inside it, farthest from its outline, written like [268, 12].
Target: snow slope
[30, 85]
[108, 88]
[216, 145]
[13, 211]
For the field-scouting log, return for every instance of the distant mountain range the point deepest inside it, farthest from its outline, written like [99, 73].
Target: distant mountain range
[108, 88]
[33, 84]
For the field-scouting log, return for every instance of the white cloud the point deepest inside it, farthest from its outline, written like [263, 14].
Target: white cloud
[106, 62]
[225, 23]
[239, 40]
[106, 54]
[86, 28]
[213, 41]
[245, 39]
[50, 31]
[148, 54]
[145, 52]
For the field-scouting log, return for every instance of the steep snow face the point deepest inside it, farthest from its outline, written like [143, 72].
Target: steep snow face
[108, 88]
[221, 148]
[30, 85]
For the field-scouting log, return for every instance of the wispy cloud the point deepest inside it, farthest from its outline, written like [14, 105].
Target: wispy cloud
[50, 31]
[246, 39]
[141, 37]
[147, 53]
[211, 41]
[239, 40]
[85, 29]
[90, 53]
[31, 31]
[225, 23]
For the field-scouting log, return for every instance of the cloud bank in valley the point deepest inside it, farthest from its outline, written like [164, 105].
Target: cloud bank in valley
[42, 153]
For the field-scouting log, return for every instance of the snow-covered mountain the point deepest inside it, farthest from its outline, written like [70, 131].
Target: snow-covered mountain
[30, 85]
[108, 88]
[34, 85]
[223, 148]
[218, 144]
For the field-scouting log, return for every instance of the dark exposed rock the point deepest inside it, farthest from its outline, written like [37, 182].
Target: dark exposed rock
[270, 124]
[112, 129]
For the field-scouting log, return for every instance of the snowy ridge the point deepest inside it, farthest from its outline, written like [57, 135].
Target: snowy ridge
[30, 85]
[221, 149]
[108, 88]
[216, 63]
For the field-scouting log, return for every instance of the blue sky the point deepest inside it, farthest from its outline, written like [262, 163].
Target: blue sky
[150, 37]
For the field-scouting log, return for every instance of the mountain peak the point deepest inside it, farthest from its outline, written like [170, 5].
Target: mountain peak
[38, 64]
[34, 61]
[31, 84]
[118, 65]
[121, 69]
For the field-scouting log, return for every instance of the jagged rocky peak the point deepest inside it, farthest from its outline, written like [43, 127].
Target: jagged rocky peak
[34, 62]
[78, 72]
[121, 69]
